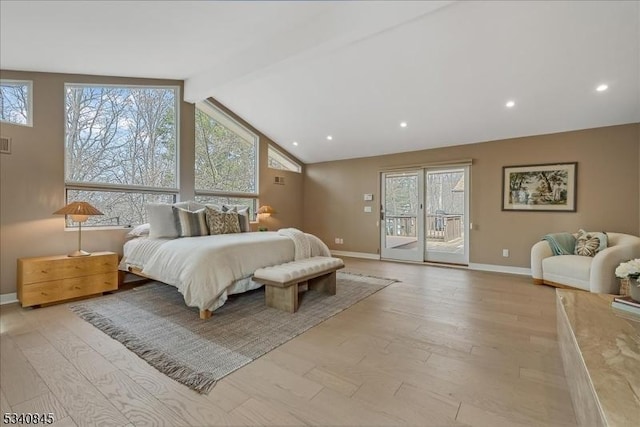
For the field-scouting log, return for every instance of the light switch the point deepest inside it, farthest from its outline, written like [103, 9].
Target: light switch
[368, 197]
[367, 209]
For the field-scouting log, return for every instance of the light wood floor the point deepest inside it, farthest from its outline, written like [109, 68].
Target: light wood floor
[444, 347]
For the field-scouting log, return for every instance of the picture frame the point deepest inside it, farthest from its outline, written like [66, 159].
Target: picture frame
[549, 187]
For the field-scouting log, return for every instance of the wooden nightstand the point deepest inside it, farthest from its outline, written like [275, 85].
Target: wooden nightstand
[46, 280]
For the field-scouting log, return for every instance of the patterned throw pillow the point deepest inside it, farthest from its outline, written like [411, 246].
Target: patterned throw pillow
[243, 216]
[222, 222]
[590, 243]
[190, 224]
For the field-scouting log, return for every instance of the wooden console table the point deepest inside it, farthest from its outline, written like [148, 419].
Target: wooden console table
[601, 356]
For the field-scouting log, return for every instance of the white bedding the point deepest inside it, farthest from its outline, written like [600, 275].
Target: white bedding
[207, 269]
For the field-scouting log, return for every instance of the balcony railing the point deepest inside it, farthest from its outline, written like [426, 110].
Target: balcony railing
[441, 227]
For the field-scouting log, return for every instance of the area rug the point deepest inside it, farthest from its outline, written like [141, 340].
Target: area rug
[153, 321]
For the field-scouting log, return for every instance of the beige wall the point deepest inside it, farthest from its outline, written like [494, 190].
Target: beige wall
[32, 186]
[608, 190]
[32, 178]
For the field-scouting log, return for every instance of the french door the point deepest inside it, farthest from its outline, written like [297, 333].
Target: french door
[424, 215]
[402, 219]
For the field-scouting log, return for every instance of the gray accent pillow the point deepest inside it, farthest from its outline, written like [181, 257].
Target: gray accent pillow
[190, 224]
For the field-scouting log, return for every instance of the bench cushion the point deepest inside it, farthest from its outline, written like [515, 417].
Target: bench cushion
[293, 270]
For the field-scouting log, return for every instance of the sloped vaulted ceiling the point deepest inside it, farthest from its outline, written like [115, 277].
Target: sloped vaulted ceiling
[300, 71]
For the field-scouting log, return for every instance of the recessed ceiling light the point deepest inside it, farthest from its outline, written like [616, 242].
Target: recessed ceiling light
[295, 143]
[329, 137]
[510, 104]
[602, 88]
[403, 124]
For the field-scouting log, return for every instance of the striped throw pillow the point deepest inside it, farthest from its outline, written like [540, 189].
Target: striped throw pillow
[190, 224]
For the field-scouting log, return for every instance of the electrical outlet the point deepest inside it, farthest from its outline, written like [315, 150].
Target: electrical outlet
[341, 241]
[367, 209]
[505, 253]
[337, 240]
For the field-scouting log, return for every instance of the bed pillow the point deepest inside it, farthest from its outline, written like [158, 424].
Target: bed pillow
[190, 224]
[161, 219]
[194, 206]
[222, 222]
[139, 231]
[243, 216]
[590, 243]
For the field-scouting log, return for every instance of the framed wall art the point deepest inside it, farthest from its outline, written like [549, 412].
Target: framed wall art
[547, 188]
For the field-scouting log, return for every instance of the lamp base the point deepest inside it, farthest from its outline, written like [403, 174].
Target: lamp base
[79, 253]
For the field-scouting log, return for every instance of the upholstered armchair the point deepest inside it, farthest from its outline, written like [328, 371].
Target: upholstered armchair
[594, 274]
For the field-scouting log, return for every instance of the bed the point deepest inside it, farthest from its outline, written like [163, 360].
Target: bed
[207, 269]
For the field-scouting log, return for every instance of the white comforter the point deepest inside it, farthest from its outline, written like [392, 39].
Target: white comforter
[204, 268]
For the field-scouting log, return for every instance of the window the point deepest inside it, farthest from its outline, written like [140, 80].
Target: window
[121, 149]
[15, 102]
[226, 164]
[279, 160]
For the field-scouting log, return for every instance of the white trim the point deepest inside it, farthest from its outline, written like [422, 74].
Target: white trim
[472, 266]
[228, 122]
[500, 269]
[289, 164]
[8, 298]
[364, 255]
[29, 84]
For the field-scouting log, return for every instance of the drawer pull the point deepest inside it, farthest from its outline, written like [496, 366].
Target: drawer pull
[43, 294]
[76, 287]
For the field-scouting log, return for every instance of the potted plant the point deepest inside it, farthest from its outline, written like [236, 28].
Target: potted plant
[630, 271]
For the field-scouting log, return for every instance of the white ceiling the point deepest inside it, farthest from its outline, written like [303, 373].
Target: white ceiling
[299, 71]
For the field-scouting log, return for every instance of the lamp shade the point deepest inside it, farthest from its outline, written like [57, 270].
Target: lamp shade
[79, 212]
[266, 209]
[78, 208]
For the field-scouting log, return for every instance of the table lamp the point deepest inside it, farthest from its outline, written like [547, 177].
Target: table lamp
[263, 212]
[79, 212]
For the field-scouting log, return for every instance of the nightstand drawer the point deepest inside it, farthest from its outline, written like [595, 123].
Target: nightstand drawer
[43, 269]
[63, 289]
[45, 280]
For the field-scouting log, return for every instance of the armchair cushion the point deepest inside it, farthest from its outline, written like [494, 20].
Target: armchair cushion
[569, 270]
[595, 274]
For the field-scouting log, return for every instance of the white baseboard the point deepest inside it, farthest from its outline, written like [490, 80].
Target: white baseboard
[8, 298]
[500, 269]
[472, 266]
[364, 255]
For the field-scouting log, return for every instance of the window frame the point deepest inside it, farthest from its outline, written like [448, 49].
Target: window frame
[124, 188]
[29, 84]
[234, 125]
[287, 159]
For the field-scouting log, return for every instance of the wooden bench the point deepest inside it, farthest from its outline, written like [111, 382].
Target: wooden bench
[281, 282]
